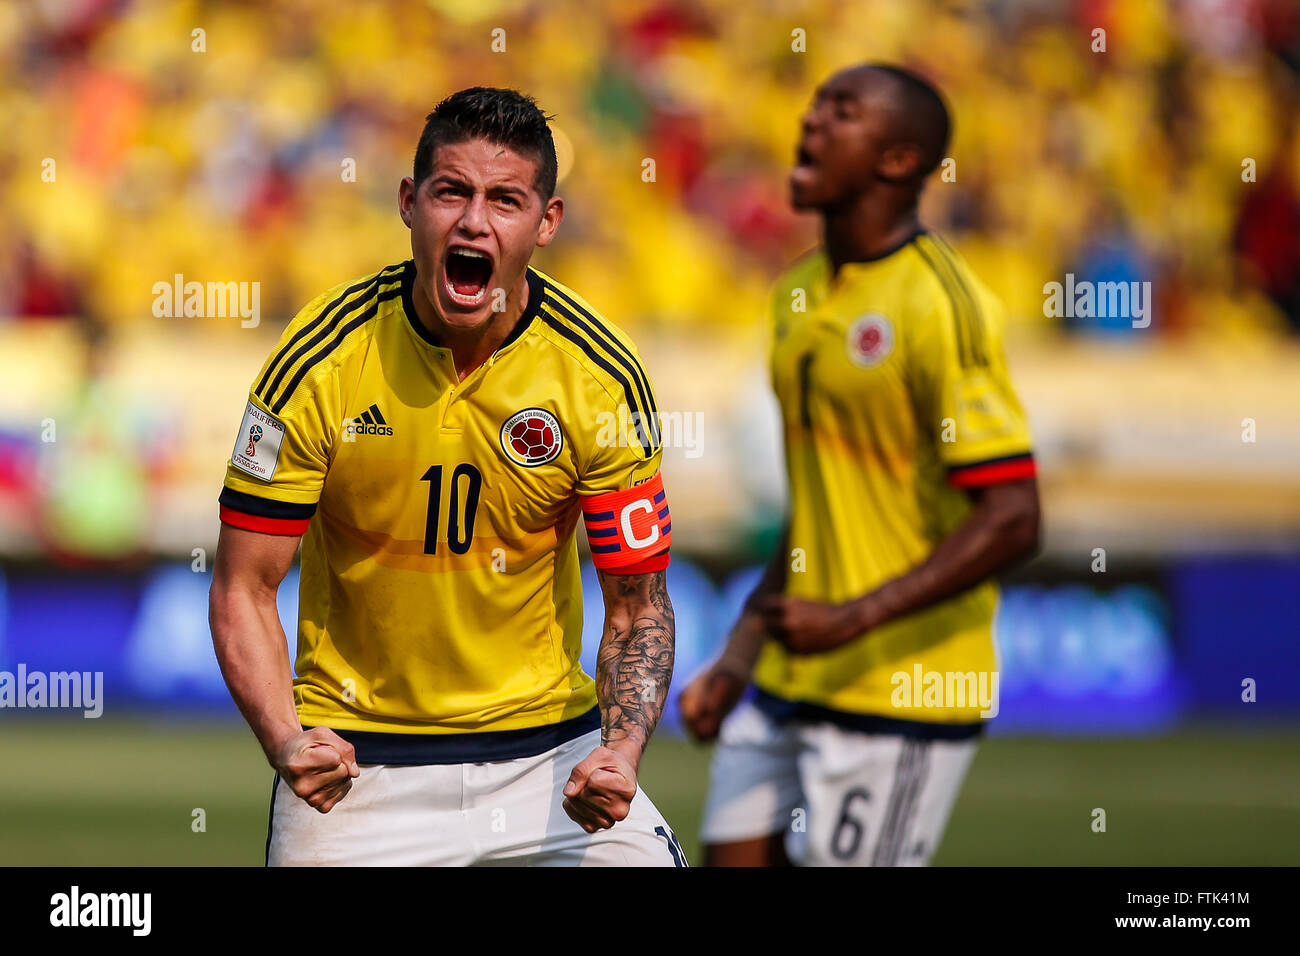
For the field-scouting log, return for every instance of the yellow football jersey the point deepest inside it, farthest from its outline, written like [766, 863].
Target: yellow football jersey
[440, 611]
[894, 396]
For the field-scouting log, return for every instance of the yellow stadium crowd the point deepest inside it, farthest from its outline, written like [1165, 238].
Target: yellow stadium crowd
[263, 142]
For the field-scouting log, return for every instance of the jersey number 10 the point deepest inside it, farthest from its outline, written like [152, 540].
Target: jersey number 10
[460, 520]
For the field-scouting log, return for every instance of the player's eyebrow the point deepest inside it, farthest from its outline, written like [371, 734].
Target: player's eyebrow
[448, 178]
[838, 94]
[460, 182]
[512, 190]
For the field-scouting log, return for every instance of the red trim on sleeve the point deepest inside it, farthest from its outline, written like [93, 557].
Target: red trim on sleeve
[285, 526]
[656, 563]
[993, 472]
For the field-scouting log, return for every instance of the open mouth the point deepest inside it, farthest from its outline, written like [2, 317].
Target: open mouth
[804, 174]
[467, 274]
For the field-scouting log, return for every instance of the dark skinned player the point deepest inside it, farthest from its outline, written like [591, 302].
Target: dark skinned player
[912, 484]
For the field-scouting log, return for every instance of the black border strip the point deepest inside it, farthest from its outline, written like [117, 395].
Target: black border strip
[421, 749]
[902, 244]
[265, 507]
[781, 711]
[1019, 456]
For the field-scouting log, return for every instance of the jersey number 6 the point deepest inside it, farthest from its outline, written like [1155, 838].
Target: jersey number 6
[459, 520]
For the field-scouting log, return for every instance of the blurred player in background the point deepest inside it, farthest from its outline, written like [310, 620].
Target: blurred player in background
[432, 431]
[912, 483]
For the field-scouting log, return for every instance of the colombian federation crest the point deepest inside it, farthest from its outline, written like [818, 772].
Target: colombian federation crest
[532, 437]
[870, 340]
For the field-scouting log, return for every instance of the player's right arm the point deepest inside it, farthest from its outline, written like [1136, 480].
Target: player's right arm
[273, 483]
[251, 649]
[710, 697]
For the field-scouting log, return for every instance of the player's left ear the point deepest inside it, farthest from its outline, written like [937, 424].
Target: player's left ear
[900, 163]
[550, 221]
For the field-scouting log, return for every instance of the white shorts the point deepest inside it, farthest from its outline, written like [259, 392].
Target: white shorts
[841, 797]
[506, 812]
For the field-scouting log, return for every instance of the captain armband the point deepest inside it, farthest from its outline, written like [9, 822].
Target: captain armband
[629, 530]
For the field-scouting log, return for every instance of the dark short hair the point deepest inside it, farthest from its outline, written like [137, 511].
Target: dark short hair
[922, 114]
[504, 117]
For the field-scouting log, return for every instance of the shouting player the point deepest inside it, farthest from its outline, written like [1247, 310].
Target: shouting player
[430, 432]
[869, 637]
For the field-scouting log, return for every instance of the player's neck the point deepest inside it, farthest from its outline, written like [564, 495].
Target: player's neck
[867, 229]
[470, 348]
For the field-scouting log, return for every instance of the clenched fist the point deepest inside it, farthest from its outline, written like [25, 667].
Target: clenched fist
[708, 699]
[318, 765]
[600, 790]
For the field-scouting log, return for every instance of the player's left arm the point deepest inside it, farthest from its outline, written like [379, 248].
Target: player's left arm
[634, 667]
[962, 389]
[625, 511]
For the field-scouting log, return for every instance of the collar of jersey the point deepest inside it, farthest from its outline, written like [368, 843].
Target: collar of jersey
[857, 265]
[536, 291]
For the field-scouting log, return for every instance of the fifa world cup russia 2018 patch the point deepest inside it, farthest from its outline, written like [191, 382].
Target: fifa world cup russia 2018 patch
[257, 449]
[627, 527]
[870, 340]
[532, 437]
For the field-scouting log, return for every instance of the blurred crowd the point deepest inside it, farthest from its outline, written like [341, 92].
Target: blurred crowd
[215, 140]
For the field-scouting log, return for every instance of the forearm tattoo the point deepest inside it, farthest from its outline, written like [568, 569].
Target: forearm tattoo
[635, 662]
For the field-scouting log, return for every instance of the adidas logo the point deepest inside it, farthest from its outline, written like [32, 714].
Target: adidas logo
[369, 422]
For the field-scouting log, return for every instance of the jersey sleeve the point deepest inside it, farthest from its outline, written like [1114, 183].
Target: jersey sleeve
[964, 390]
[621, 490]
[277, 467]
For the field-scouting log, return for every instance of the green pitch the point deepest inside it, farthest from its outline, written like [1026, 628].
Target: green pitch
[101, 792]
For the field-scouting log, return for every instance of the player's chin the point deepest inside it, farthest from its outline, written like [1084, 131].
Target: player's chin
[805, 194]
[464, 312]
